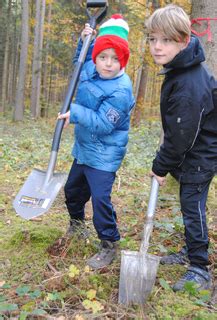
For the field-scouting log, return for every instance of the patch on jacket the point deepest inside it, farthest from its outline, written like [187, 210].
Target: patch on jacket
[112, 116]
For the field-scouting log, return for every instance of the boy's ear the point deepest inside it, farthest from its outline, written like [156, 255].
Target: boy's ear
[187, 40]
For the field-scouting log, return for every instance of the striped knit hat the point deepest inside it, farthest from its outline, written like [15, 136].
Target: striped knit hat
[113, 34]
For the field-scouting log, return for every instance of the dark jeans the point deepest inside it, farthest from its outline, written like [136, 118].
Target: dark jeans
[85, 182]
[193, 199]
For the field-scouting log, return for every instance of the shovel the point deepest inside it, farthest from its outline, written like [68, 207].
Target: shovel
[138, 269]
[41, 188]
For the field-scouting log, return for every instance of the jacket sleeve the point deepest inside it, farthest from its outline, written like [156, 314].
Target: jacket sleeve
[110, 115]
[78, 51]
[181, 126]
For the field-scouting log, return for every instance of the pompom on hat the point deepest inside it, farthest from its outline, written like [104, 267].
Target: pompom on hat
[113, 34]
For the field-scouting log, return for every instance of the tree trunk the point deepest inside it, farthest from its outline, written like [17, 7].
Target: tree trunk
[207, 9]
[20, 94]
[44, 110]
[2, 43]
[142, 77]
[6, 60]
[37, 58]
[14, 56]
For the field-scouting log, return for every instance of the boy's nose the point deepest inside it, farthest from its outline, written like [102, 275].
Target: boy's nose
[158, 44]
[108, 61]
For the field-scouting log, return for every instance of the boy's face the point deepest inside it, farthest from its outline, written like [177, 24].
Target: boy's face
[107, 64]
[164, 49]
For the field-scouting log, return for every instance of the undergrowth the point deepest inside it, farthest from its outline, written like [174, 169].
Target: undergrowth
[36, 285]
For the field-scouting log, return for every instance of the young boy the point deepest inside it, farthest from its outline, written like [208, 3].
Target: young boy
[101, 115]
[189, 118]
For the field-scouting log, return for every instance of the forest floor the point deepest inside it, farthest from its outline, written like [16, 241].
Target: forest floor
[35, 284]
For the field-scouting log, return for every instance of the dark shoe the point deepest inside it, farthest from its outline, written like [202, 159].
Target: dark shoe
[105, 256]
[176, 258]
[200, 277]
[77, 228]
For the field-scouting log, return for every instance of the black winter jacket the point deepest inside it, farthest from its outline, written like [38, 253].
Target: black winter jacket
[189, 118]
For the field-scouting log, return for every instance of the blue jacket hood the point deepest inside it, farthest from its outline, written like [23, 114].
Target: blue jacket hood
[192, 55]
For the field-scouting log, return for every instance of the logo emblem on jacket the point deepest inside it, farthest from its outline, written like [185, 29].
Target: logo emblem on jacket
[112, 116]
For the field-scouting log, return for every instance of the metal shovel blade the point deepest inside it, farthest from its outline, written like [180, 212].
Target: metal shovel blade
[138, 269]
[36, 197]
[137, 276]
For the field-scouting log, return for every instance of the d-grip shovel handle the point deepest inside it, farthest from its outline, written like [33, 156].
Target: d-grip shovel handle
[99, 15]
[70, 93]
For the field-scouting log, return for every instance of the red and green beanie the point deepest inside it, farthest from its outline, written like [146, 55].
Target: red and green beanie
[113, 34]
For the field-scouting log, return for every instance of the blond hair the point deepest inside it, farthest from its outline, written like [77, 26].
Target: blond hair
[172, 21]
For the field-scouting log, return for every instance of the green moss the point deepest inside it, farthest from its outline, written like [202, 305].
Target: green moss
[103, 284]
[24, 244]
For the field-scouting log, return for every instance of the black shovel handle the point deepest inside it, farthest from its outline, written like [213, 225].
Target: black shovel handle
[93, 20]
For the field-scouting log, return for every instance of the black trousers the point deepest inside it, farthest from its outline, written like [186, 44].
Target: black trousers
[85, 182]
[193, 198]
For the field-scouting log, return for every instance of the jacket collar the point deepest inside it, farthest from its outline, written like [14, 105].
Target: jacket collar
[164, 71]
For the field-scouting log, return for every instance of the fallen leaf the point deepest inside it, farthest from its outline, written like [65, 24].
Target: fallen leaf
[95, 306]
[79, 317]
[91, 294]
[2, 283]
[87, 269]
[73, 271]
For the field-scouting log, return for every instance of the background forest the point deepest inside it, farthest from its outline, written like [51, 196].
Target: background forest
[37, 45]
[38, 39]
[37, 42]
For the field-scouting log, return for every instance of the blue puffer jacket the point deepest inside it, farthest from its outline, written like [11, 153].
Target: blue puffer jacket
[101, 114]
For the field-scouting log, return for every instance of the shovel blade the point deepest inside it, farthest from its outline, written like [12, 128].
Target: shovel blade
[137, 276]
[36, 198]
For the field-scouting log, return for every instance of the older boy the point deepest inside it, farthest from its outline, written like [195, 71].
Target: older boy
[101, 114]
[189, 117]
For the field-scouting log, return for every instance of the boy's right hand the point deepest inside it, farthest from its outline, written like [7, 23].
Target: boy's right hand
[87, 30]
[160, 180]
[65, 116]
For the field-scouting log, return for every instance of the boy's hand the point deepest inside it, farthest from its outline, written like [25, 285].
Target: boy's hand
[65, 116]
[87, 30]
[160, 180]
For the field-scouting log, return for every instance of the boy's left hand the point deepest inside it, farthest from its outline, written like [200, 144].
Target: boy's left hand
[65, 116]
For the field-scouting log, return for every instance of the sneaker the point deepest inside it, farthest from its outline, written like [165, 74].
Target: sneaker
[176, 258]
[196, 275]
[77, 228]
[105, 256]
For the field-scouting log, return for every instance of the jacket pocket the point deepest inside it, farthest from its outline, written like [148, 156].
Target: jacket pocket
[197, 177]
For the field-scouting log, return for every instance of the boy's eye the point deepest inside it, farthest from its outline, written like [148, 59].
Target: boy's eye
[154, 40]
[167, 40]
